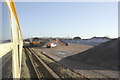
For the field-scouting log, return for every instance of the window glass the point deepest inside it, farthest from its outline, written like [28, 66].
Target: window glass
[6, 65]
[0, 22]
[6, 35]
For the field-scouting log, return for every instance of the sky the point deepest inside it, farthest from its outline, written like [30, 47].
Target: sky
[68, 19]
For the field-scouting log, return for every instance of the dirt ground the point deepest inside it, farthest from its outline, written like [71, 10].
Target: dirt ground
[72, 49]
[27, 71]
[74, 63]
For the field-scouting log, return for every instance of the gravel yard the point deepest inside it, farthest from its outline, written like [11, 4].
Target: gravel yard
[72, 56]
[71, 49]
[62, 54]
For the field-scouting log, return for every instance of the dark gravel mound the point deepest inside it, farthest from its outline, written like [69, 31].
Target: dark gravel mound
[104, 55]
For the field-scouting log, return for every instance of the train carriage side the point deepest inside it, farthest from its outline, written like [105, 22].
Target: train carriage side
[10, 41]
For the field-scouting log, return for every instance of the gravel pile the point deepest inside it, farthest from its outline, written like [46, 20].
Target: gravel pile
[104, 55]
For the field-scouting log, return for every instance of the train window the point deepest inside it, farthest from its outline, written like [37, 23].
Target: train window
[0, 22]
[6, 30]
[19, 55]
[7, 65]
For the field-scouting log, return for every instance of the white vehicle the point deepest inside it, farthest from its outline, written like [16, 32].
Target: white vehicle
[26, 42]
[53, 45]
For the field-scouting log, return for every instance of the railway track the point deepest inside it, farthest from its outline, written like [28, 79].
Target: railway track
[41, 69]
[60, 75]
[64, 66]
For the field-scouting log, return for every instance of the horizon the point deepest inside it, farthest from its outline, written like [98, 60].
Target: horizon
[70, 37]
[68, 19]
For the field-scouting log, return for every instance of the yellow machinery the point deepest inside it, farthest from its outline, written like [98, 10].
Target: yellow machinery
[35, 42]
[10, 41]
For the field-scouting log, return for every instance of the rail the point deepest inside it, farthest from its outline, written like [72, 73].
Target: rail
[41, 69]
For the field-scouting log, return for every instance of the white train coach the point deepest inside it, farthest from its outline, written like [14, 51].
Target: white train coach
[10, 41]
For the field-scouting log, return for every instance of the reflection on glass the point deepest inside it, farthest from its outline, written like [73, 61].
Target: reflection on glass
[0, 22]
[7, 65]
[6, 36]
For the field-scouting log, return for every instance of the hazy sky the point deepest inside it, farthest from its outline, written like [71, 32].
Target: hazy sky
[68, 19]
